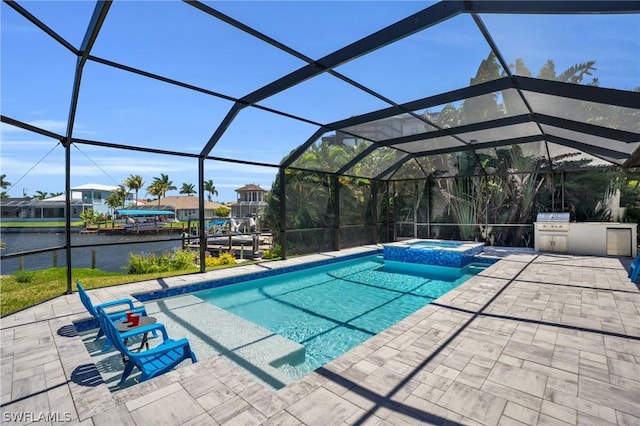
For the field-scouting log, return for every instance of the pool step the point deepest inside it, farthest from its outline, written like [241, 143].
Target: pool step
[213, 331]
[476, 267]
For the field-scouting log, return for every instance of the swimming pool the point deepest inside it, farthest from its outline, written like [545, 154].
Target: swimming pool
[332, 308]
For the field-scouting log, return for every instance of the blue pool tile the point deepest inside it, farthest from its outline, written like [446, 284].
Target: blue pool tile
[161, 294]
[450, 254]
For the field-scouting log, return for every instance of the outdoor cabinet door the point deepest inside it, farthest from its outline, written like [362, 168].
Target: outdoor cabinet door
[553, 243]
[618, 242]
[560, 243]
[545, 242]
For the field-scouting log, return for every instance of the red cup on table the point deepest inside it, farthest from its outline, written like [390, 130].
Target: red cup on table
[129, 315]
[135, 320]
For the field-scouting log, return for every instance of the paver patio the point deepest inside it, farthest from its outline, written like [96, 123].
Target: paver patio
[533, 339]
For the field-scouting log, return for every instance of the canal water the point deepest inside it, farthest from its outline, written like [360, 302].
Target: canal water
[111, 258]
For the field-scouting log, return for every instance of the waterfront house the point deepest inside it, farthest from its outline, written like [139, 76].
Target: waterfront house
[96, 195]
[31, 209]
[83, 197]
[185, 207]
[251, 198]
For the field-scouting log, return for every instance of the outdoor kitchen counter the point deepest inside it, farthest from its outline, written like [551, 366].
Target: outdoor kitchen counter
[603, 239]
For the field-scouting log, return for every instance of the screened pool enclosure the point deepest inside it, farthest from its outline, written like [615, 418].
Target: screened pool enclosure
[366, 121]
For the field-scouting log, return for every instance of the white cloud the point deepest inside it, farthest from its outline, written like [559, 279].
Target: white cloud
[56, 126]
[17, 148]
[35, 172]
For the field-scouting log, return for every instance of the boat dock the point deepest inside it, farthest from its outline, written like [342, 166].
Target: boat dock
[240, 245]
[112, 230]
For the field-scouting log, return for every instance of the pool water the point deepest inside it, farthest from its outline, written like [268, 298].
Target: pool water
[333, 308]
[436, 244]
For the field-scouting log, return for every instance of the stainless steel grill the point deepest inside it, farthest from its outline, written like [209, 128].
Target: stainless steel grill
[552, 222]
[552, 232]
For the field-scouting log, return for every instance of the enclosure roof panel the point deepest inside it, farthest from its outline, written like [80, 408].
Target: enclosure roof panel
[378, 90]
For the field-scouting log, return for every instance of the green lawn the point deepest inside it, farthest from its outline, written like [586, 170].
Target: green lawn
[45, 284]
[28, 288]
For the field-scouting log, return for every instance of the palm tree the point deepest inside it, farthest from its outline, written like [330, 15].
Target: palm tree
[160, 186]
[155, 190]
[113, 201]
[135, 183]
[188, 188]
[210, 188]
[118, 197]
[3, 183]
[40, 195]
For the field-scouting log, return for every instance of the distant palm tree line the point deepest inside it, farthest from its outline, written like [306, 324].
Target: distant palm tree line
[117, 198]
[158, 188]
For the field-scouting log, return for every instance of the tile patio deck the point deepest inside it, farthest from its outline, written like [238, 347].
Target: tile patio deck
[533, 339]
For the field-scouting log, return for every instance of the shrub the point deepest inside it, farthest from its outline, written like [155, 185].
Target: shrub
[223, 259]
[24, 276]
[183, 259]
[227, 259]
[140, 264]
[274, 253]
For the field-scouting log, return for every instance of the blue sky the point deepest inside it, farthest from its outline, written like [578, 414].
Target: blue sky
[175, 40]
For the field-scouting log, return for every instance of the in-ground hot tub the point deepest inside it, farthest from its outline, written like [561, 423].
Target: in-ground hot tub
[455, 254]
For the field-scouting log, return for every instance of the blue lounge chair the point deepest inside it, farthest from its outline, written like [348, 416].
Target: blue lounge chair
[115, 316]
[634, 270]
[152, 362]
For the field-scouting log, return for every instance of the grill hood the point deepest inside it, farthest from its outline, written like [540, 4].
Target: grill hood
[552, 217]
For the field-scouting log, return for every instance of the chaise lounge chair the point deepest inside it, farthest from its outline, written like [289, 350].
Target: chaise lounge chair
[152, 362]
[114, 315]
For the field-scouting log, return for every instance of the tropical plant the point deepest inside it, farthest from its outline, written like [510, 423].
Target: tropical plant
[89, 217]
[507, 182]
[630, 196]
[307, 198]
[134, 183]
[210, 188]
[464, 204]
[588, 194]
[188, 189]
[40, 195]
[496, 185]
[274, 253]
[178, 260]
[145, 264]
[310, 197]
